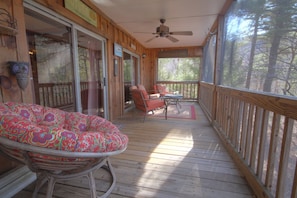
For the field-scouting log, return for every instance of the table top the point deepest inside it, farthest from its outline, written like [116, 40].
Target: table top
[173, 96]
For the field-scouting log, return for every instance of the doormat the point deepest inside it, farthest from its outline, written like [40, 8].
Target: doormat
[185, 112]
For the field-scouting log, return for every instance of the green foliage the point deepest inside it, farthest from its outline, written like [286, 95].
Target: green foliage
[260, 37]
[178, 69]
[128, 70]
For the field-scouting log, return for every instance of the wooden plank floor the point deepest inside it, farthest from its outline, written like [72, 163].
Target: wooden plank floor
[165, 159]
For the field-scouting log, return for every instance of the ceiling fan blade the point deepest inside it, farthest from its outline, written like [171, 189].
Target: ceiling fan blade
[172, 39]
[185, 33]
[144, 32]
[151, 39]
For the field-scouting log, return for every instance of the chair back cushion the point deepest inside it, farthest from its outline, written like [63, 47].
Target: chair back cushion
[162, 89]
[141, 87]
[138, 98]
[133, 87]
[143, 90]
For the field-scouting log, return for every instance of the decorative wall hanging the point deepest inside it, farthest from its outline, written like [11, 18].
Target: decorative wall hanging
[8, 24]
[21, 71]
[118, 50]
[81, 9]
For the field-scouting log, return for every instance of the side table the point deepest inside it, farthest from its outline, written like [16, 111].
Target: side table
[172, 99]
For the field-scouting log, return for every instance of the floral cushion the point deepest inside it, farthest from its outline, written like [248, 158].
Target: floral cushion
[77, 122]
[38, 112]
[53, 117]
[59, 130]
[23, 110]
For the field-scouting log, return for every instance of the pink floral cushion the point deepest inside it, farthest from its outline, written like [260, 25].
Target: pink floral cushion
[77, 122]
[23, 110]
[38, 112]
[59, 130]
[53, 117]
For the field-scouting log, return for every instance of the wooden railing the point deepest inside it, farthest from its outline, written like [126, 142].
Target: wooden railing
[189, 89]
[61, 95]
[206, 94]
[260, 132]
[56, 94]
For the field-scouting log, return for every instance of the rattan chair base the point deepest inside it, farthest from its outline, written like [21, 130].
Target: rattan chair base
[53, 178]
[52, 169]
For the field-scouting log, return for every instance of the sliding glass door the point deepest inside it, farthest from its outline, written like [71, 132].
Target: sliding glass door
[68, 63]
[91, 74]
[50, 49]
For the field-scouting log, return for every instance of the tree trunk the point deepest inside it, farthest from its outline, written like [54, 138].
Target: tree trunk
[252, 54]
[280, 18]
[230, 70]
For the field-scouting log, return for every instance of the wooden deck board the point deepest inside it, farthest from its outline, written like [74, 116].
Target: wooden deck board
[166, 158]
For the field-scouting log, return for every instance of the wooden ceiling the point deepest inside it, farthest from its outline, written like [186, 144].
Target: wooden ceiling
[140, 18]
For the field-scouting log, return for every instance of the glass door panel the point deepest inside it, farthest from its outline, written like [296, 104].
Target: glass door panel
[129, 79]
[131, 74]
[91, 74]
[50, 50]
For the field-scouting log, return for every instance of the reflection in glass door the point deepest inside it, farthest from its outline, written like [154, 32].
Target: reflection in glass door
[91, 74]
[50, 50]
[130, 65]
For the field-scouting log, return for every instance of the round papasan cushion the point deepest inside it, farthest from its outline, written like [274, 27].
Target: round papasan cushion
[56, 129]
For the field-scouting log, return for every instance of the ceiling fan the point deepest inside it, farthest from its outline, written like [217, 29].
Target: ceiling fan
[163, 31]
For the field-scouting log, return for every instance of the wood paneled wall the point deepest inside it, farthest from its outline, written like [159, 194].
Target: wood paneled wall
[12, 48]
[15, 48]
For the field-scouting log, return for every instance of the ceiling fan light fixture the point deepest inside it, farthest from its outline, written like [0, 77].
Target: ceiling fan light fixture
[163, 31]
[163, 34]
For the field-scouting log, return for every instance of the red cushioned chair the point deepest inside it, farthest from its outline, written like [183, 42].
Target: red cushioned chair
[144, 103]
[151, 95]
[161, 89]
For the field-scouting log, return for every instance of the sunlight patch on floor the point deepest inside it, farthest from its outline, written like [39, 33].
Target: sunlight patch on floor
[164, 160]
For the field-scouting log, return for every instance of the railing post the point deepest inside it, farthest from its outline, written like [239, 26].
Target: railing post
[214, 103]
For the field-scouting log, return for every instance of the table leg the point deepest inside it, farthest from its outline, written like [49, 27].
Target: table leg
[166, 107]
[178, 105]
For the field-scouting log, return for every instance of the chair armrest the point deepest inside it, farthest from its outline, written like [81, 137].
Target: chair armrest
[157, 95]
[149, 99]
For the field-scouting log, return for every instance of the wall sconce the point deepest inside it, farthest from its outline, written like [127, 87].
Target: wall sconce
[21, 71]
[143, 55]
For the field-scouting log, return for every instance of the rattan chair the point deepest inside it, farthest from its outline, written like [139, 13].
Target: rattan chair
[64, 155]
